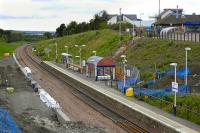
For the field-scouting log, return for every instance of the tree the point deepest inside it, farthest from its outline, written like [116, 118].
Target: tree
[1, 32]
[60, 30]
[47, 35]
[99, 21]
[72, 27]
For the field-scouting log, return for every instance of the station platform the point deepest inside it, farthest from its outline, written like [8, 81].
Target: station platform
[175, 123]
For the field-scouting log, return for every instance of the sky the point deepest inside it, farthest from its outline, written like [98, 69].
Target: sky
[47, 15]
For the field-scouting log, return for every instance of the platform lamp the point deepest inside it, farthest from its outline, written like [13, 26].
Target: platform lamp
[186, 65]
[67, 48]
[174, 87]
[80, 49]
[56, 52]
[124, 62]
[95, 53]
[78, 57]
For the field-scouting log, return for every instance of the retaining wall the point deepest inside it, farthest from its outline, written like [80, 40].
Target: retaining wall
[143, 120]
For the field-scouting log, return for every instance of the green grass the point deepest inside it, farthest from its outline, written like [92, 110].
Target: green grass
[102, 41]
[188, 107]
[144, 55]
[149, 52]
[8, 47]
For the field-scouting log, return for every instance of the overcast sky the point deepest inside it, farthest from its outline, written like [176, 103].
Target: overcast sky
[49, 14]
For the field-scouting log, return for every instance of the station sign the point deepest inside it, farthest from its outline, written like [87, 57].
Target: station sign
[174, 87]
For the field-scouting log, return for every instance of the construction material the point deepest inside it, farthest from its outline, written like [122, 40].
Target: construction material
[7, 124]
[10, 90]
[48, 100]
[6, 54]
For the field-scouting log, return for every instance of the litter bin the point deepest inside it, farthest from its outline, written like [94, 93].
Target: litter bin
[129, 92]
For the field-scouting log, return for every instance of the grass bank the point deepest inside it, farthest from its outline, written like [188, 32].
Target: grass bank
[8, 47]
[105, 42]
[151, 53]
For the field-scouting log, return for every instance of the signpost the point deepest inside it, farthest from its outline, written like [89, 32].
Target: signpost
[174, 86]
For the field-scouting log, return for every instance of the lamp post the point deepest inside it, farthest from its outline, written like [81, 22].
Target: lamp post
[141, 18]
[174, 87]
[80, 49]
[95, 53]
[120, 27]
[124, 62]
[186, 65]
[56, 52]
[67, 48]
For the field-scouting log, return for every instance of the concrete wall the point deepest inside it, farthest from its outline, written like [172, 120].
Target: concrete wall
[134, 116]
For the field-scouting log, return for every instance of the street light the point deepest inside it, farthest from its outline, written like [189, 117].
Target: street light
[95, 53]
[186, 65]
[141, 18]
[124, 62]
[66, 48]
[174, 86]
[80, 49]
[120, 27]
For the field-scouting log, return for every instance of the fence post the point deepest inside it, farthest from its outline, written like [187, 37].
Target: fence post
[184, 36]
[195, 37]
[181, 36]
[191, 37]
[177, 36]
[187, 114]
[171, 35]
[199, 37]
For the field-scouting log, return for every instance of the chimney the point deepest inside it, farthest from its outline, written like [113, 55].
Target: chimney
[177, 12]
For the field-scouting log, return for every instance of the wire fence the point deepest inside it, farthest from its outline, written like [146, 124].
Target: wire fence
[192, 114]
[177, 36]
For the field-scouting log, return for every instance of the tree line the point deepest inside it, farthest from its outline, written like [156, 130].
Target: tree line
[10, 36]
[14, 36]
[99, 21]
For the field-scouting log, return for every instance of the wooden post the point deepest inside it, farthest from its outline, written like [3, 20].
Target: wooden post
[195, 37]
[174, 36]
[184, 36]
[199, 37]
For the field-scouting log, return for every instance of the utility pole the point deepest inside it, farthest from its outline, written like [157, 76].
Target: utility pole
[159, 9]
[120, 19]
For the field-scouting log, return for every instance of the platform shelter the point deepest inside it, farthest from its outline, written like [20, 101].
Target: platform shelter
[101, 68]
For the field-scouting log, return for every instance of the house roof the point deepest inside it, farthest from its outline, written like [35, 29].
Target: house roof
[100, 61]
[178, 21]
[171, 9]
[130, 16]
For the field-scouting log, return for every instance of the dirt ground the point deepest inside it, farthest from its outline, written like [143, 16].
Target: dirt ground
[27, 110]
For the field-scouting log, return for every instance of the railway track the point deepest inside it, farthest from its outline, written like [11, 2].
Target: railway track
[116, 118]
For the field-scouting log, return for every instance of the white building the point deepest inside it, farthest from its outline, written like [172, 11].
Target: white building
[129, 18]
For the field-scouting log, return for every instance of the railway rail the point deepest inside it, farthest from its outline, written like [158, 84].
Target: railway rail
[116, 118]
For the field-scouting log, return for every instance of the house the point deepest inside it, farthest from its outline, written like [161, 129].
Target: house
[175, 18]
[170, 12]
[129, 18]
